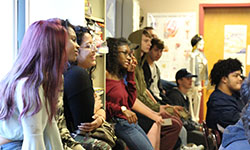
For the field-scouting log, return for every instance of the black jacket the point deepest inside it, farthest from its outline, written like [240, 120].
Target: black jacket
[149, 80]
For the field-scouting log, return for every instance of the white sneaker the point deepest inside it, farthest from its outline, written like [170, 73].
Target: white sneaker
[192, 147]
[200, 147]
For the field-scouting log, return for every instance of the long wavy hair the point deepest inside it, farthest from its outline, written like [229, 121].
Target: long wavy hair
[112, 62]
[41, 61]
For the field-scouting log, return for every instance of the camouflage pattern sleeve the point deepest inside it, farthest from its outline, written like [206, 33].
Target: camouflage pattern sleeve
[67, 140]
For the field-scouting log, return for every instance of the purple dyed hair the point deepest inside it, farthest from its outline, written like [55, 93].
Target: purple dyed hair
[41, 60]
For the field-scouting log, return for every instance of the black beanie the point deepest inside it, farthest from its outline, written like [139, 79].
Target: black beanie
[195, 40]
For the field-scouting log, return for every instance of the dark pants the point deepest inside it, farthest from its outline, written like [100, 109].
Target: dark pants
[170, 134]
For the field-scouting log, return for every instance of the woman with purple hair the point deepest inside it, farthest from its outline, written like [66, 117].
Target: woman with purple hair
[29, 92]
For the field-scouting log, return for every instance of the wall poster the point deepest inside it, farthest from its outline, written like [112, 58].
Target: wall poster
[235, 39]
[176, 30]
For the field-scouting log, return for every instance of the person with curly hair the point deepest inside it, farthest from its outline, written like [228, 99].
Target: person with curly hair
[80, 102]
[121, 98]
[224, 105]
[72, 52]
[238, 136]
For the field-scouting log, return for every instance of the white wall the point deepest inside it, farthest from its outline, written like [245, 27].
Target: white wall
[73, 10]
[38, 9]
[110, 18]
[7, 26]
[172, 6]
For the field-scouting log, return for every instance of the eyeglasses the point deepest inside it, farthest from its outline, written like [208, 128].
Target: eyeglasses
[90, 46]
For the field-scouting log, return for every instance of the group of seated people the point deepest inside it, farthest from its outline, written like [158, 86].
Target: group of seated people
[48, 100]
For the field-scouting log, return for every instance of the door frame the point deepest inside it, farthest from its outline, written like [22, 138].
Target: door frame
[202, 8]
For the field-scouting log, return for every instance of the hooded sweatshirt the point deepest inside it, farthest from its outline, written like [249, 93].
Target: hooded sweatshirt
[141, 86]
[234, 133]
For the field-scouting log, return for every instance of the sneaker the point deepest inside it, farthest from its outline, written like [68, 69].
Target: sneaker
[192, 146]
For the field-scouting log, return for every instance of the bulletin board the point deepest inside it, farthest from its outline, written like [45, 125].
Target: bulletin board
[176, 30]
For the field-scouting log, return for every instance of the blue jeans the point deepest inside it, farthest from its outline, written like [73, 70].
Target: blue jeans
[15, 145]
[132, 134]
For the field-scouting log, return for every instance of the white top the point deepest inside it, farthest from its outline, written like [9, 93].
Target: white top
[154, 85]
[36, 131]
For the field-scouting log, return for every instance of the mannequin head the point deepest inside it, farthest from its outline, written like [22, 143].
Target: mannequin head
[200, 44]
[197, 42]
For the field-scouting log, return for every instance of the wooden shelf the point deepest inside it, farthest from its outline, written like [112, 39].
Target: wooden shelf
[94, 18]
[99, 76]
[99, 55]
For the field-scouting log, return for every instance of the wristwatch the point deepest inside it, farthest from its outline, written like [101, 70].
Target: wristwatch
[123, 108]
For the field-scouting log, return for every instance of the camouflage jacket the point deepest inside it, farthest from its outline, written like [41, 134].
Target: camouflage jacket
[67, 140]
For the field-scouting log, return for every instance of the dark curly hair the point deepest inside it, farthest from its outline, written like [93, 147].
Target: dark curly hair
[112, 65]
[223, 68]
[80, 31]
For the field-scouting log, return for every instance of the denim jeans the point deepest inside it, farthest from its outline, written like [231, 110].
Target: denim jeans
[15, 145]
[132, 134]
